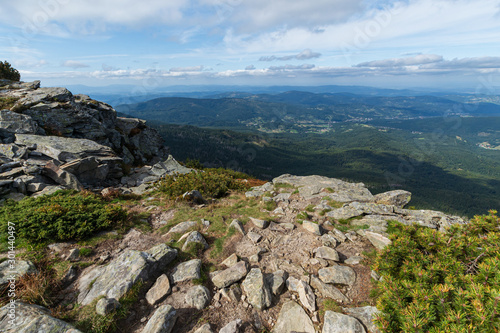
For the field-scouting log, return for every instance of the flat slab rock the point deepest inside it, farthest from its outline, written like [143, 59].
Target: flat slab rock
[32, 319]
[116, 278]
[339, 323]
[230, 275]
[338, 275]
[293, 318]
[188, 270]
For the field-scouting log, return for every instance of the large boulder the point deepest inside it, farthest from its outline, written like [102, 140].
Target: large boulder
[29, 318]
[116, 278]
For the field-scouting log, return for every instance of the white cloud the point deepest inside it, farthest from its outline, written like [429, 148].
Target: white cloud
[187, 69]
[291, 67]
[409, 61]
[249, 67]
[304, 55]
[74, 64]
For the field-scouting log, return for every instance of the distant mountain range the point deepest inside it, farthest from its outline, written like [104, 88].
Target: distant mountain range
[299, 111]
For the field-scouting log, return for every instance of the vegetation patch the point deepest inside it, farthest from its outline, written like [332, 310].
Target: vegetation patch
[62, 216]
[7, 102]
[213, 183]
[441, 282]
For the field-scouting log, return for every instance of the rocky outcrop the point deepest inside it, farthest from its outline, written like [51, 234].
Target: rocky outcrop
[82, 137]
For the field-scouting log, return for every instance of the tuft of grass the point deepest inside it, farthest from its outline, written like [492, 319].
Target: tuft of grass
[310, 208]
[85, 252]
[329, 304]
[270, 205]
[7, 102]
[303, 216]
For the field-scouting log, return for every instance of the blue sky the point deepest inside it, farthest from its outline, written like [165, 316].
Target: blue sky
[396, 44]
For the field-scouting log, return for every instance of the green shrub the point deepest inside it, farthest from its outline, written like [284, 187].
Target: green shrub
[8, 72]
[62, 216]
[213, 183]
[441, 282]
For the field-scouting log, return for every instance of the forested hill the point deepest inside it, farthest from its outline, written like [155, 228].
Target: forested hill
[291, 110]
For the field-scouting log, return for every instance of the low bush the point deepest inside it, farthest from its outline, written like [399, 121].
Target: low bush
[62, 216]
[441, 282]
[214, 183]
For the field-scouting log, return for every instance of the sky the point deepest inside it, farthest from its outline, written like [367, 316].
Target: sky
[393, 44]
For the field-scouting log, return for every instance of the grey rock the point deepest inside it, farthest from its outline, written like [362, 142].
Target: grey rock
[337, 275]
[62, 177]
[261, 224]
[339, 235]
[162, 321]
[276, 281]
[160, 289]
[232, 327]
[116, 278]
[169, 167]
[32, 319]
[306, 294]
[339, 323]
[106, 306]
[288, 226]
[198, 297]
[354, 260]
[188, 270]
[231, 260]
[73, 255]
[293, 318]
[65, 149]
[398, 198]
[329, 240]
[70, 276]
[327, 253]
[15, 270]
[205, 328]
[182, 227]
[254, 237]
[257, 290]
[230, 275]
[313, 228]
[312, 187]
[327, 290]
[378, 240]
[366, 315]
[195, 237]
[237, 226]
[13, 122]
[162, 255]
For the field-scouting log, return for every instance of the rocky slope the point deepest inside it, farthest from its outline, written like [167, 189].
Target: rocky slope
[295, 256]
